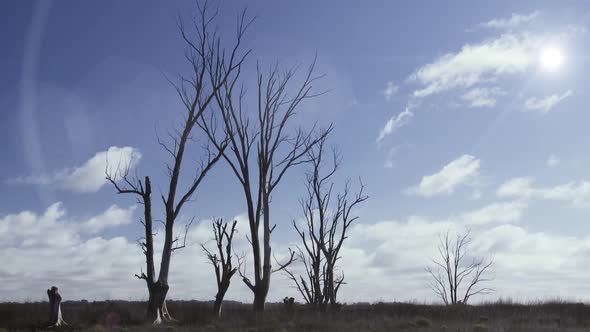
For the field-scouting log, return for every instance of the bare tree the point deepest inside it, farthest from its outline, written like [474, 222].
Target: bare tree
[221, 259]
[207, 59]
[327, 223]
[453, 273]
[259, 172]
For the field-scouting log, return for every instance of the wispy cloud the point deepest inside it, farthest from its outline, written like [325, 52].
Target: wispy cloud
[395, 122]
[514, 21]
[390, 90]
[461, 171]
[90, 176]
[390, 160]
[552, 161]
[486, 61]
[482, 97]
[545, 104]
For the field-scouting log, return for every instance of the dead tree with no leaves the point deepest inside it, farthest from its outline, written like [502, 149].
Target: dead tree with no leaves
[222, 259]
[260, 171]
[452, 272]
[325, 230]
[210, 67]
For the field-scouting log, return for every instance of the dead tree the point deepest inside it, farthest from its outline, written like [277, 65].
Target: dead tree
[222, 260]
[260, 170]
[454, 277]
[207, 59]
[326, 224]
[55, 317]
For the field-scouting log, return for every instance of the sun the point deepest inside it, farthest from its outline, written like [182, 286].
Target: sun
[551, 58]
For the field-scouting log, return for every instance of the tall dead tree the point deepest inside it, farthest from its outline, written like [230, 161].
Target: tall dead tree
[222, 259]
[454, 277]
[211, 65]
[260, 171]
[327, 221]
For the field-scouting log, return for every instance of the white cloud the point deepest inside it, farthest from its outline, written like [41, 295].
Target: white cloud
[524, 261]
[382, 261]
[482, 97]
[395, 122]
[575, 192]
[390, 90]
[112, 217]
[547, 103]
[461, 171]
[516, 187]
[506, 212]
[28, 228]
[41, 250]
[389, 161]
[52, 248]
[552, 161]
[90, 176]
[514, 21]
[485, 61]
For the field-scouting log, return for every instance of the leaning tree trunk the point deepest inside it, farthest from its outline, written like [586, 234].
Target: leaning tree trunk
[55, 317]
[219, 302]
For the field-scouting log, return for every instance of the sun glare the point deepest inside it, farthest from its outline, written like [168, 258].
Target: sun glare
[551, 58]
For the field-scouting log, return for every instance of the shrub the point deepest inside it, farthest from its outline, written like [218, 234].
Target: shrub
[481, 328]
[423, 322]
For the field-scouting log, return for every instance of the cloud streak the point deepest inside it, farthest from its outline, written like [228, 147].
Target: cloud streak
[475, 63]
[394, 123]
[514, 21]
[547, 103]
[462, 171]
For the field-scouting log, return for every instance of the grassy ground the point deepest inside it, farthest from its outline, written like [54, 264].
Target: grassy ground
[195, 316]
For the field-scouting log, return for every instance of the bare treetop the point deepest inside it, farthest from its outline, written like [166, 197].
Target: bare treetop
[453, 271]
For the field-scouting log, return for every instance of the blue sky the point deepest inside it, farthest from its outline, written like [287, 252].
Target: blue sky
[446, 112]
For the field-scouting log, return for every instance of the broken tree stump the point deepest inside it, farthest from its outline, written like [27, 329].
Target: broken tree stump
[55, 317]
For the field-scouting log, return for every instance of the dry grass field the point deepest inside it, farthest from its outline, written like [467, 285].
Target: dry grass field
[196, 316]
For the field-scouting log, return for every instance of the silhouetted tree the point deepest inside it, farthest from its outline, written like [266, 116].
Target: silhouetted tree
[55, 317]
[275, 152]
[211, 65]
[327, 222]
[454, 277]
[222, 260]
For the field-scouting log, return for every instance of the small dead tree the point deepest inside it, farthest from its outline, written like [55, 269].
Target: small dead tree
[207, 59]
[222, 259]
[327, 223]
[455, 277]
[55, 317]
[260, 170]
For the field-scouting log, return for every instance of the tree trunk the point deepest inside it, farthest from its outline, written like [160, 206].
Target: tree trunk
[259, 300]
[219, 298]
[217, 306]
[55, 317]
[156, 304]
